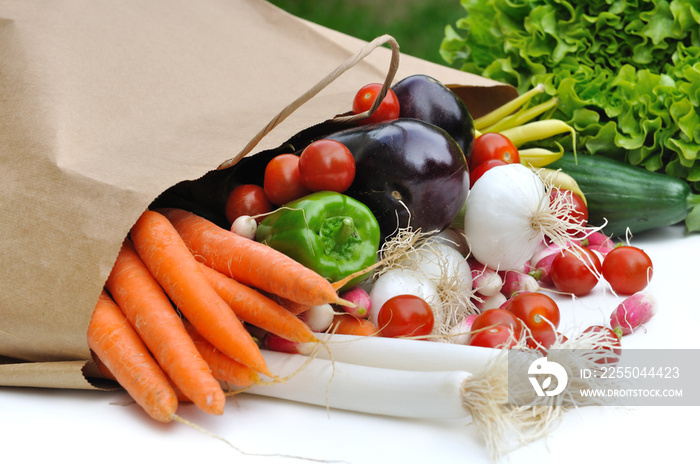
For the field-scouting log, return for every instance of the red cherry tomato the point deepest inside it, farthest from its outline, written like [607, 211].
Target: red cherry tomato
[405, 316]
[498, 336]
[247, 200]
[490, 146]
[578, 216]
[612, 344]
[388, 109]
[494, 317]
[479, 171]
[537, 311]
[627, 269]
[576, 271]
[282, 182]
[326, 165]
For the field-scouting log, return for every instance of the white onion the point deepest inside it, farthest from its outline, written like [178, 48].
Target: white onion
[499, 214]
[443, 265]
[453, 238]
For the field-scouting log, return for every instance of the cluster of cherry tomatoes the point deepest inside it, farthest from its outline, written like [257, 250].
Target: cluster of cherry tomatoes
[322, 165]
[576, 270]
[532, 316]
[503, 326]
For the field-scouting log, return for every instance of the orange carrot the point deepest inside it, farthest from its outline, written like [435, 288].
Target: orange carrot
[347, 324]
[223, 367]
[170, 262]
[102, 369]
[115, 342]
[258, 310]
[105, 372]
[150, 312]
[250, 262]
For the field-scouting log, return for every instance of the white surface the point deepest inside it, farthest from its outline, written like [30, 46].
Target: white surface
[41, 425]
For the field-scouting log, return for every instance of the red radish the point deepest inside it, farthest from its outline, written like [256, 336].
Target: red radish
[541, 262]
[634, 311]
[523, 269]
[536, 274]
[276, 343]
[483, 302]
[599, 242]
[460, 332]
[545, 249]
[245, 226]
[544, 270]
[485, 280]
[318, 318]
[515, 282]
[360, 298]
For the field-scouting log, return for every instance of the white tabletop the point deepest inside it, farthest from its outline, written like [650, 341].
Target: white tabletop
[39, 425]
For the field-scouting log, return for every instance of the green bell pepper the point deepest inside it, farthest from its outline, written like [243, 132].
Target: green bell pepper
[328, 232]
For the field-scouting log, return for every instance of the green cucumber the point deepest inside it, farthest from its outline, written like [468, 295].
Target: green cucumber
[629, 196]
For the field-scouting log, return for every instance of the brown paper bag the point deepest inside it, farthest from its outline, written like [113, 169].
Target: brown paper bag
[104, 105]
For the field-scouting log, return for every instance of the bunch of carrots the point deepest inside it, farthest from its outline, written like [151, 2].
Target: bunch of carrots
[170, 327]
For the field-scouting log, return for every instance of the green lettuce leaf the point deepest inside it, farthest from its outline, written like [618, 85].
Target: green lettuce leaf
[627, 73]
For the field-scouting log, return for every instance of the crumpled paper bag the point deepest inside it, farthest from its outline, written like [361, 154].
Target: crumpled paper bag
[104, 105]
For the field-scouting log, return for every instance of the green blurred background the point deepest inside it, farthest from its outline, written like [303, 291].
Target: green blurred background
[417, 25]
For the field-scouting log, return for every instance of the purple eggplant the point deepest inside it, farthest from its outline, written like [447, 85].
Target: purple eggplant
[408, 172]
[423, 97]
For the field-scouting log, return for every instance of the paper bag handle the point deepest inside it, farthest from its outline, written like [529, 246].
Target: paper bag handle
[349, 63]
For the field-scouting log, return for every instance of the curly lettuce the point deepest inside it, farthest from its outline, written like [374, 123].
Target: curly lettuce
[627, 73]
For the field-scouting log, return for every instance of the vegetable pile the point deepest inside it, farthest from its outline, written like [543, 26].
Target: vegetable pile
[378, 228]
[627, 74]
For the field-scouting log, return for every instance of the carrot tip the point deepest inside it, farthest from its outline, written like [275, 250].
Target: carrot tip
[265, 371]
